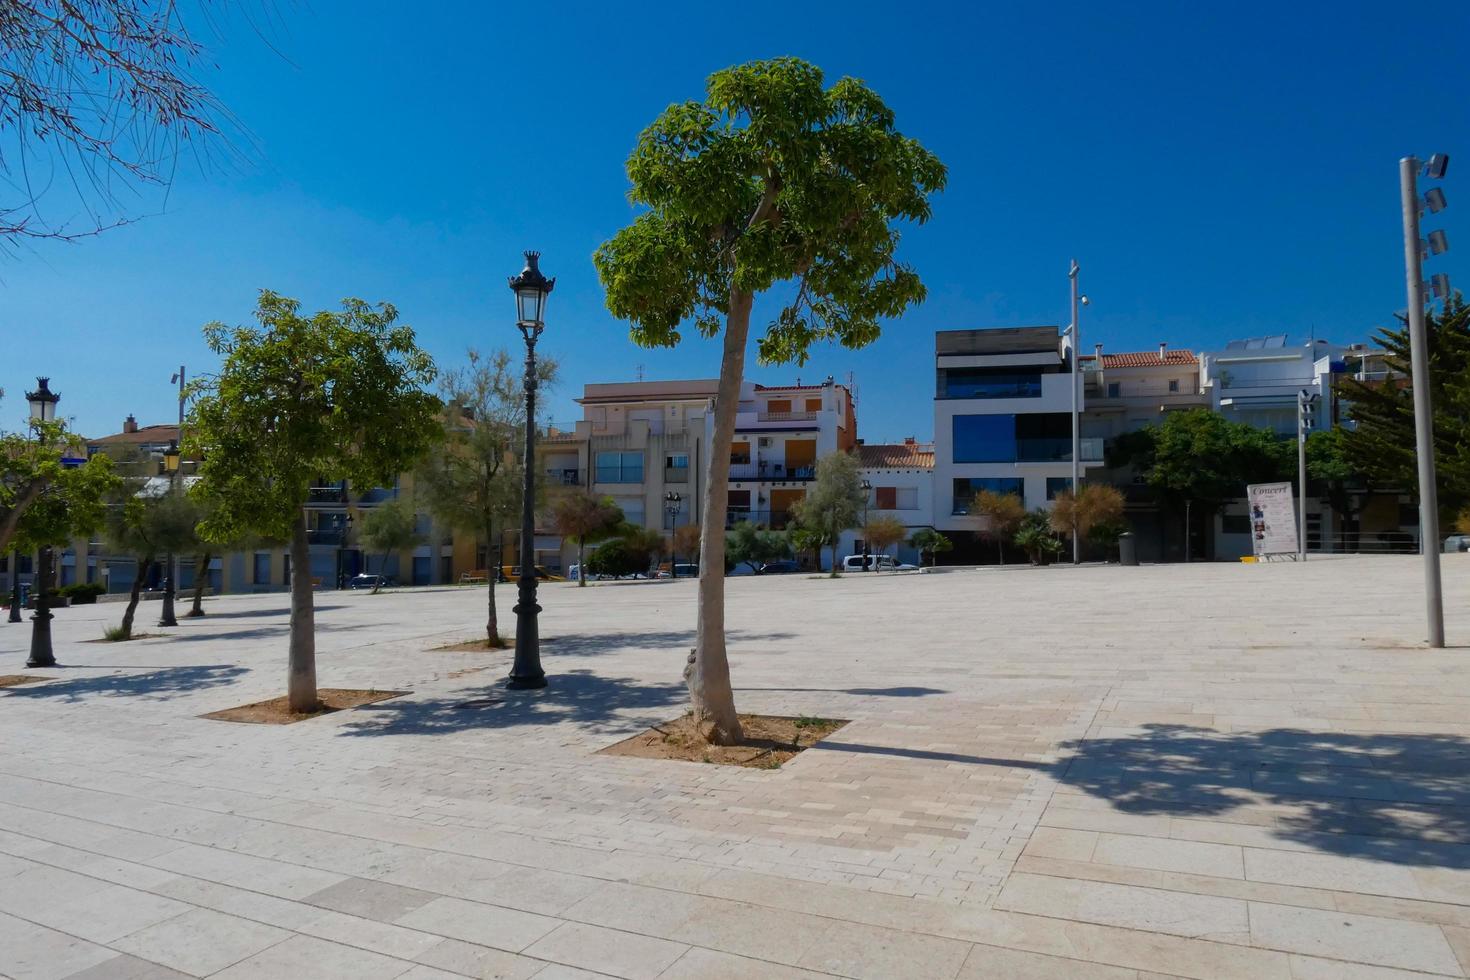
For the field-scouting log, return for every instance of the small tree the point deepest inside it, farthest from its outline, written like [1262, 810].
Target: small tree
[686, 542]
[1004, 513]
[391, 526]
[807, 540]
[586, 518]
[772, 179]
[1094, 505]
[1036, 538]
[616, 558]
[475, 483]
[930, 542]
[335, 396]
[754, 546]
[882, 533]
[834, 500]
[146, 527]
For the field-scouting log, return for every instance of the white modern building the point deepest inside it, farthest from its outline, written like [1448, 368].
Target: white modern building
[901, 477]
[1257, 381]
[1003, 402]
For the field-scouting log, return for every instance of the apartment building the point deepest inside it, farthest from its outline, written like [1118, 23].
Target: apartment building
[1002, 421]
[1257, 381]
[639, 442]
[1126, 391]
[901, 477]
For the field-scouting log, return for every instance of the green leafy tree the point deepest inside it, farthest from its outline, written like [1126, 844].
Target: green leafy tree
[474, 483]
[930, 542]
[1198, 460]
[834, 501]
[1094, 505]
[685, 542]
[1003, 513]
[1381, 444]
[771, 179]
[644, 544]
[807, 540]
[390, 526]
[754, 546]
[1335, 474]
[30, 462]
[883, 533]
[1036, 537]
[335, 396]
[616, 559]
[147, 527]
[586, 518]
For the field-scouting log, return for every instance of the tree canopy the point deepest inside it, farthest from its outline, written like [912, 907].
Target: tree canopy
[834, 501]
[930, 542]
[586, 518]
[388, 527]
[754, 546]
[1202, 457]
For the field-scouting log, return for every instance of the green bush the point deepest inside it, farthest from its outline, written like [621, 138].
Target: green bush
[616, 559]
[82, 591]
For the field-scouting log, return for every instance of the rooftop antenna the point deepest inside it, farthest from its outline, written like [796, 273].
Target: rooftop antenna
[640, 372]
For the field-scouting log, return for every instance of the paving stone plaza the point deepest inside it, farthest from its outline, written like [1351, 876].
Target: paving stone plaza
[1207, 771]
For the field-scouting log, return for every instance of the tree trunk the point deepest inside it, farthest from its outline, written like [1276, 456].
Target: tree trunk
[833, 573]
[28, 495]
[492, 622]
[382, 567]
[708, 673]
[1000, 550]
[301, 675]
[581, 561]
[201, 576]
[145, 565]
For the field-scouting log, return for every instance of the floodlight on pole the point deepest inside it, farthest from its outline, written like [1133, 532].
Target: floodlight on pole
[1434, 201]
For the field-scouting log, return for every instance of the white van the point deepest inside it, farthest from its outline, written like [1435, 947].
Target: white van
[884, 563]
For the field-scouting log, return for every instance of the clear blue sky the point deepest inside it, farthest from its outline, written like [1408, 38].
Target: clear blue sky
[1220, 171]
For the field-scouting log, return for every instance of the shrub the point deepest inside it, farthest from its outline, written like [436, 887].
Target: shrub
[81, 590]
[615, 558]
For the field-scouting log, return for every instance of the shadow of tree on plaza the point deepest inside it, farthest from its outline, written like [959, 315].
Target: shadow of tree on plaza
[594, 644]
[155, 684]
[211, 612]
[875, 692]
[264, 632]
[599, 704]
[1400, 798]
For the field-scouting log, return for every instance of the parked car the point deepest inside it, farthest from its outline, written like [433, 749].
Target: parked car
[678, 570]
[783, 567]
[368, 581]
[876, 563]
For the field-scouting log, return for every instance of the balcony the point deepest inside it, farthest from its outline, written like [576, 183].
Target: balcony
[1057, 450]
[333, 536]
[327, 496]
[786, 416]
[776, 520]
[771, 472]
[676, 474]
[563, 477]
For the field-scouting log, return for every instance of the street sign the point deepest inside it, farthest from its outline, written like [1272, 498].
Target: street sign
[1273, 519]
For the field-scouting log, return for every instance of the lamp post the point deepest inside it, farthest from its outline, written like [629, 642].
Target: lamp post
[867, 491]
[15, 585]
[673, 503]
[171, 467]
[43, 410]
[1306, 408]
[1075, 332]
[1414, 251]
[342, 544]
[531, 289]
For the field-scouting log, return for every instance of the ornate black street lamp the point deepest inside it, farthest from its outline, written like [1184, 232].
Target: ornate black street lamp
[43, 409]
[673, 503]
[531, 289]
[171, 467]
[867, 491]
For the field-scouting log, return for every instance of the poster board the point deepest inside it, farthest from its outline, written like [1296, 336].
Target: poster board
[1273, 519]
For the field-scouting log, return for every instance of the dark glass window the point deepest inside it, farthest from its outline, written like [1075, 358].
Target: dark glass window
[965, 489]
[1044, 437]
[990, 383]
[1056, 484]
[619, 467]
[1235, 524]
[984, 438]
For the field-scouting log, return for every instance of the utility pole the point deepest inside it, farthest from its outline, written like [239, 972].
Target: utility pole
[1306, 405]
[1423, 410]
[1076, 331]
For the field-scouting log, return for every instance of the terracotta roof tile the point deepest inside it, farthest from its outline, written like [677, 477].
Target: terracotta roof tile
[1147, 358]
[145, 434]
[894, 456]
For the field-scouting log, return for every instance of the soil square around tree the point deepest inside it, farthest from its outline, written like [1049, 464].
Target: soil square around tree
[770, 740]
[15, 680]
[471, 646]
[276, 712]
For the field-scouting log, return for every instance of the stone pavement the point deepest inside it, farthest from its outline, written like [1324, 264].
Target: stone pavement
[1210, 771]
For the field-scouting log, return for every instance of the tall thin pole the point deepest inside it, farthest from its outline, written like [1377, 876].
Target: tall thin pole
[15, 585]
[526, 672]
[1076, 414]
[1423, 413]
[1301, 475]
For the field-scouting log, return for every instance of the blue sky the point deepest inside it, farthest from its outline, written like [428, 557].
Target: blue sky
[1219, 170]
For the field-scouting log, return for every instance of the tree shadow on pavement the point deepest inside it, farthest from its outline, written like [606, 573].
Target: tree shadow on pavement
[1401, 798]
[211, 613]
[157, 684]
[599, 704]
[876, 692]
[594, 644]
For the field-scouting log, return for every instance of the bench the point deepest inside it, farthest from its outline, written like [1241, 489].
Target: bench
[478, 577]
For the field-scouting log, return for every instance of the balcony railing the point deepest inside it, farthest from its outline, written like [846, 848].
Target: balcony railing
[326, 535]
[564, 477]
[774, 519]
[771, 472]
[786, 416]
[1056, 450]
[326, 496]
[676, 474]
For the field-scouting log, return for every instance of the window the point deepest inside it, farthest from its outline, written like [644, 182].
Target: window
[422, 524]
[984, 438]
[1056, 484]
[989, 383]
[261, 574]
[887, 498]
[1173, 386]
[814, 404]
[1235, 524]
[779, 405]
[619, 467]
[1115, 390]
[677, 461]
[965, 489]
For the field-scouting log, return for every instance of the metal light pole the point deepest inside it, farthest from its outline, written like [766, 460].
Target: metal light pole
[170, 466]
[43, 409]
[1076, 331]
[531, 289]
[867, 491]
[1306, 404]
[1423, 411]
[673, 503]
